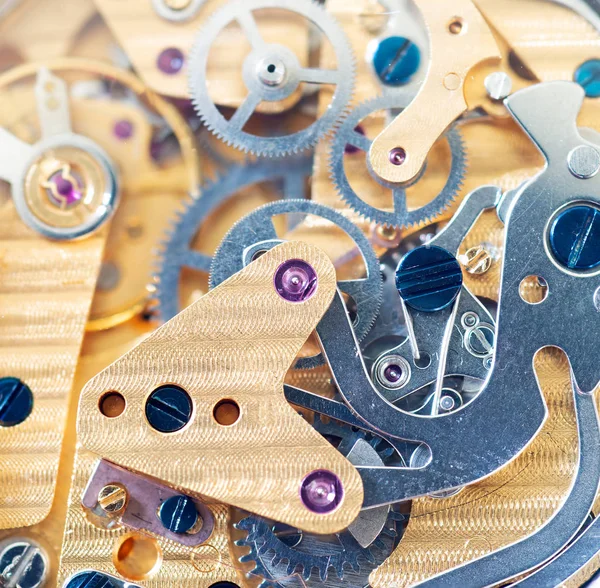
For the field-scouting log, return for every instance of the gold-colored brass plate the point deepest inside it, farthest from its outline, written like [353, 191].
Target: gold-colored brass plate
[86, 546]
[46, 290]
[150, 192]
[460, 39]
[501, 509]
[550, 39]
[41, 29]
[236, 342]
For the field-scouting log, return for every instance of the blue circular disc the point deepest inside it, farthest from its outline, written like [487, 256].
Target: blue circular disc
[169, 408]
[16, 401]
[178, 514]
[587, 75]
[396, 60]
[428, 278]
[575, 237]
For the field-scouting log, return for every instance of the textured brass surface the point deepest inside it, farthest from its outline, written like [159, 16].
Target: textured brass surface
[88, 546]
[41, 29]
[550, 39]
[46, 290]
[501, 509]
[460, 39]
[150, 192]
[49, 287]
[236, 342]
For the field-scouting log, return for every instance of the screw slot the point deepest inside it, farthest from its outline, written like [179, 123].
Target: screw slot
[112, 499]
[169, 408]
[16, 401]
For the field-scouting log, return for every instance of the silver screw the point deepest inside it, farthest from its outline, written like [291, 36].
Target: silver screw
[498, 85]
[23, 564]
[597, 299]
[584, 162]
[446, 403]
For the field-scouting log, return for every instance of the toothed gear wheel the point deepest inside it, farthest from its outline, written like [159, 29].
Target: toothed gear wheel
[271, 73]
[282, 554]
[256, 229]
[349, 134]
[177, 251]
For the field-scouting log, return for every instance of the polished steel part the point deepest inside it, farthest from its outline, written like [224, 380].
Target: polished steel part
[186, 352]
[272, 73]
[520, 323]
[539, 547]
[92, 189]
[258, 228]
[567, 564]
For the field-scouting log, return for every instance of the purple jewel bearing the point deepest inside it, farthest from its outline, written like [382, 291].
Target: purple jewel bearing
[295, 280]
[321, 491]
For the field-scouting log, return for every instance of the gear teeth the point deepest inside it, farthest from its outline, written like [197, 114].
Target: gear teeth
[375, 297]
[290, 144]
[192, 212]
[422, 216]
[267, 551]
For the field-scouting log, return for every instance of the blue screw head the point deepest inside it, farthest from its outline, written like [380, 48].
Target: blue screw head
[90, 580]
[224, 584]
[396, 60]
[16, 401]
[428, 278]
[575, 237]
[587, 75]
[169, 408]
[23, 563]
[178, 514]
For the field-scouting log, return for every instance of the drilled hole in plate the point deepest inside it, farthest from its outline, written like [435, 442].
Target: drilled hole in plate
[533, 289]
[424, 361]
[226, 412]
[137, 557]
[457, 26]
[112, 404]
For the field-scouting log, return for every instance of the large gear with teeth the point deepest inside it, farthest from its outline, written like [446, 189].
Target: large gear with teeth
[177, 250]
[271, 72]
[256, 232]
[351, 134]
[282, 555]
